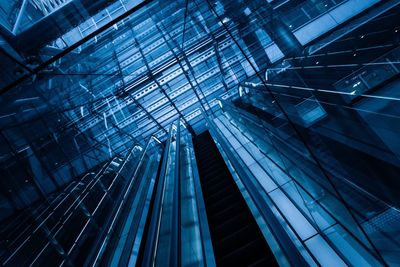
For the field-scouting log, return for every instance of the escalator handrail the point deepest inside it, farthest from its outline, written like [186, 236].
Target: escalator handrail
[175, 259]
[6, 259]
[79, 240]
[150, 250]
[287, 246]
[105, 240]
[207, 248]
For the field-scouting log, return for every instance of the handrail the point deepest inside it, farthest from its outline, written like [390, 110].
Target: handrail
[176, 214]
[71, 211]
[122, 204]
[43, 221]
[290, 251]
[121, 168]
[150, 250]
[366, 65]
[185, 177]
[207, 248]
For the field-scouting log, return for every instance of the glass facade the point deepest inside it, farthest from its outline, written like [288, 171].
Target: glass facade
[102, 105]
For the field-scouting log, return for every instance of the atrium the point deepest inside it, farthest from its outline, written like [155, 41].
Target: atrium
[199, 133]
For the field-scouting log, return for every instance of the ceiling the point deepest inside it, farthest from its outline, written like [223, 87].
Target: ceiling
[165, 61]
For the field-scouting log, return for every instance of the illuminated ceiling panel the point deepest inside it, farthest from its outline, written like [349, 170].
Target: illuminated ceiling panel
[144, 72]
[135, 66]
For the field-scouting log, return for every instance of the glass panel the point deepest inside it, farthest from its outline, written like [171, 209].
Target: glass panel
[191, 239]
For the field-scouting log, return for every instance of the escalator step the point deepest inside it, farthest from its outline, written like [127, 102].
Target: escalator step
[235, 235]
[221, 189]
[215, 181]
[223, 202]
[266, 261]
[231, 225]
[227, 212]
[215, 196]
[244, 255]
[235, 239]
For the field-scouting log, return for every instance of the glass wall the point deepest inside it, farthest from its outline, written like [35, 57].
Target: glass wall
[309, 106]
[316, 134]
[332, 215]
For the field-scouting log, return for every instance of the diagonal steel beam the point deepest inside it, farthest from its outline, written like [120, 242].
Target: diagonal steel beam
[216, 46]
[19, 17]
[74, 46]
[178, 59]
[137, 103]
[159, 85]
[54, 25]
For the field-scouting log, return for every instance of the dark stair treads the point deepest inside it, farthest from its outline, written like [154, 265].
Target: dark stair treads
[236, 237]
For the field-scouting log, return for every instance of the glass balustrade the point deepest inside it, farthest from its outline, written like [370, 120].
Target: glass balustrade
[335, 215]
[69, 226]
[179, 232]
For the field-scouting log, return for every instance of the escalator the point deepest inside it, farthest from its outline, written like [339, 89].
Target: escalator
[236, 237]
